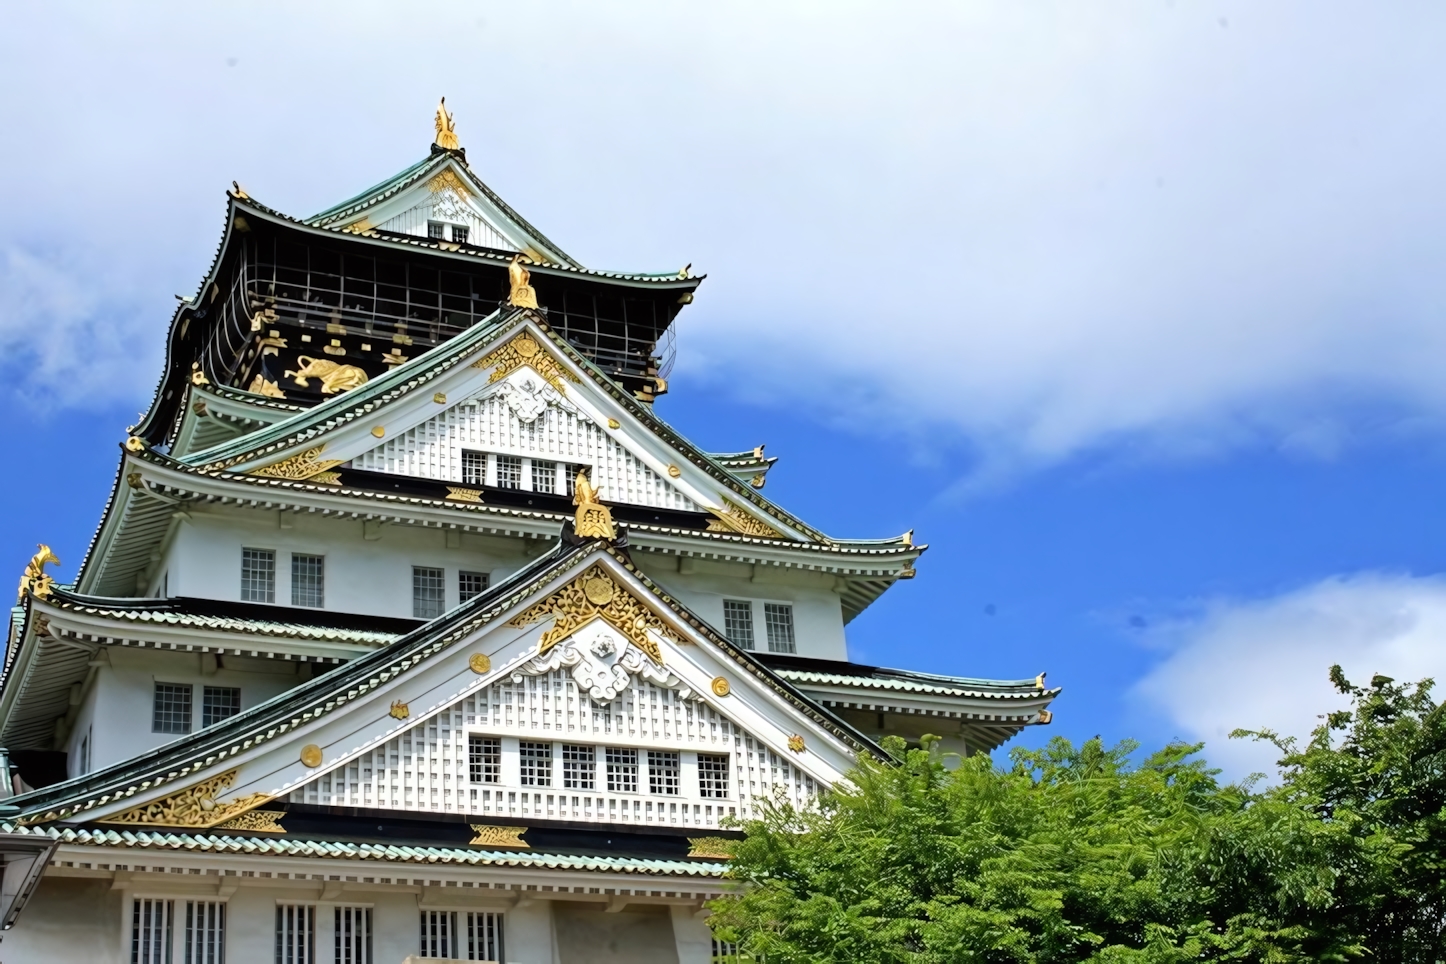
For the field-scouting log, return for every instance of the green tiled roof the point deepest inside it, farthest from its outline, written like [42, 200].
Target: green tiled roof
[263, 627]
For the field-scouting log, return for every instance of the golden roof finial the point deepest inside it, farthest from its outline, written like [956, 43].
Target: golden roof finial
[523, 295]
[594, 520]
[446, 128]
[35, 581]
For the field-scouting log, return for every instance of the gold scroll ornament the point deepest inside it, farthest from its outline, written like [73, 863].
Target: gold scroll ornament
[522, 295]
[594, 595]
[731, 518]
[490, 836]
[524, 350]
[255, 821]
[334, 377]
[195, 806]
[34, 582]
[711, 848]
[300, 467]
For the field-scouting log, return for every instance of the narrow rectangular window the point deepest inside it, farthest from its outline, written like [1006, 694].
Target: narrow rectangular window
[484, 936]
[579, 767]
[308, 580]
[436, 231]
[151, 931]
[429, 592]
[171, 710]
[471, 584]
[738, 622]
[536, 764]
[353, 935]
[544, 476]
[484, 758]
[459, 234]
[258, 575]
[622, 766]
[663, 772]
[724, 952]
[219, 703]
[439, 934]
[778, 617]
[295, 934]
[713, 775]
[205, 932]
[509, 471]
[474, 468]
[569, 475]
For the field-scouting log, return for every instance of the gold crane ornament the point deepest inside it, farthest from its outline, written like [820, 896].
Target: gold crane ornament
[523, 295]
[594, 520]
[35, 581]
[446, 128]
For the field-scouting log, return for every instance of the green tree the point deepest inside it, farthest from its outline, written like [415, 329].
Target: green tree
[1080, 854]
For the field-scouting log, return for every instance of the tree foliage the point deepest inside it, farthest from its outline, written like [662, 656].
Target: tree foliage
[1082, 854]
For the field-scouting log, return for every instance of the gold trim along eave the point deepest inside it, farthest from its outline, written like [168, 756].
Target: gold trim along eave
[196, 806]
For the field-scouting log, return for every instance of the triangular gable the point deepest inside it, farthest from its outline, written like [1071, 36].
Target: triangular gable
[581, 650]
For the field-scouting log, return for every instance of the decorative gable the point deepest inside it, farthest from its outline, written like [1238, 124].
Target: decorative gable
[447, 204]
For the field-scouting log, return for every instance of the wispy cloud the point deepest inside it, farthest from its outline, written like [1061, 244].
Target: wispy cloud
[1262, 663]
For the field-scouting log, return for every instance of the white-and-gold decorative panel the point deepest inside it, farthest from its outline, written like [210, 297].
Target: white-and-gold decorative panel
[446, 206]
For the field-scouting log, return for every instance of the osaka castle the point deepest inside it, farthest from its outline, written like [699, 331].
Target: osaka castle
[410, 630]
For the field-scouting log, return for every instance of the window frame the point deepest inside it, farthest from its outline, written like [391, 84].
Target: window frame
[297, 557]
[792, 625]
[438, 574]
[739, 607]
[156, 708]
[527, 750]
[206, 692]
[269, 593]
[482, 764]
[709, 781]
[624, 769]
[464, 594]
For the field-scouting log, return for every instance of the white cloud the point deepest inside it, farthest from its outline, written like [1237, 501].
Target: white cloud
[1043, 228]
[1262, 664]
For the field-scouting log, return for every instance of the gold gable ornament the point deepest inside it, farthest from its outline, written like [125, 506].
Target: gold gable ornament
[594, 520]
[520, 351]
[300, 467]
[523, 295]
[34, 582]
[195, 806]
[594, 595]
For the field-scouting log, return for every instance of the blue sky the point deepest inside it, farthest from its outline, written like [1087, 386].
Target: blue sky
[1133, 312]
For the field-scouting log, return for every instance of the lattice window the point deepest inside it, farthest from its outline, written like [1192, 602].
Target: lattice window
[509, 471]
[429, 592]
[778, 618]
[459, 234]
[544, 476]
[151, 923]
[484, 759]
[219, 703]
[579, 767]
[205, 937]
[308, 580]
[171, 710]
[738, 622]
[353, 935]
[474, 468]
[712, 775]
[535, 763]
[436, 230]
[664, 772]
[258, 575]
[295, 934]
[622, 765]
[471, 584]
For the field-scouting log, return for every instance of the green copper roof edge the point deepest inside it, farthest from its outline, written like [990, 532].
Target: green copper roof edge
[403, 178]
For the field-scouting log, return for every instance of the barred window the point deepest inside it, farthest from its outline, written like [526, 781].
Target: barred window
[353, 935]
[569, 476]
[308, 580]
[459, 234]
[544, 476]
[484, 758]
[151, 931]
[471, 584]
[724, 952]
[663, 771]
[429, 592]
[509, 471]
[713, 775]
[622, 766]
[258, 575]
[478, 938]
[474, 468]
[219, 703]
[579, 767]
[436, 230]
[778, 617]
[738, 622]
[295, 934]
[172, 708]
[205, 932]
[536, 764]
[484, 936]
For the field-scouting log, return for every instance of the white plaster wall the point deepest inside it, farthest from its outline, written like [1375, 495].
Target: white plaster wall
[67, 919]
[363, 575]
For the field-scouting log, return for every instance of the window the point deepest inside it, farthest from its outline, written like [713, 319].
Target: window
[258, 575]
[459, 234]
[219, 703]
[151, 931]
[353, 932]
[474, 468]
[536, 759]
[509, 471]
[295, 934]
[308, 580]
[205, 932]
[429, 592]
[712, 775]
[484, 758]
[481, 940]
[471, 584]
[663, 771]
[570, 477]
[738, 622]
[579, 767]
[436, 231]
[724, 952]
[544, 476]
[622, 770]
[778, 617]
[172, 708]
